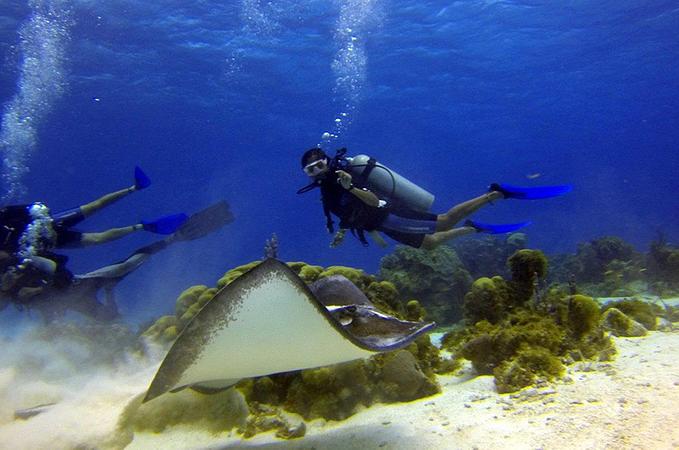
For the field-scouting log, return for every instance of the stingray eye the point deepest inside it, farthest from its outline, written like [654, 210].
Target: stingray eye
[346, 320]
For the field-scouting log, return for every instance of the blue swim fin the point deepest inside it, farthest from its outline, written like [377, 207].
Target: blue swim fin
[141, 180]
[166, 224]
[495, 229]
[530, 193]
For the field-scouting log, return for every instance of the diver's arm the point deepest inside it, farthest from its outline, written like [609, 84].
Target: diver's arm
[367, 197]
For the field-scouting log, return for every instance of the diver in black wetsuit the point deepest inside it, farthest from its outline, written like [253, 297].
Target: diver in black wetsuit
[54, 294]
[401, 209]
[29, 233]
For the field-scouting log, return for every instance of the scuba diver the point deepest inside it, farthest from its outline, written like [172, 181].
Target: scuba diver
[369, 197]
[29, 233]
[63, 291]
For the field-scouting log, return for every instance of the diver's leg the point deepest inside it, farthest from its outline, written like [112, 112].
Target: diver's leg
[458, 212]
[90, 208]
[432, 241]
[106, 236]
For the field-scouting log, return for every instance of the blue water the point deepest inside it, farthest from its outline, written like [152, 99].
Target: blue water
[217, 100]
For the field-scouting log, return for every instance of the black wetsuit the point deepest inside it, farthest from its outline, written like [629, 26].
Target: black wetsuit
[399, 223]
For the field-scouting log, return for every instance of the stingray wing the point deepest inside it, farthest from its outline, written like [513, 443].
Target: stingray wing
[265, 322]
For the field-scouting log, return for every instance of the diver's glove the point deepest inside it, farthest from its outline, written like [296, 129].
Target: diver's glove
[338, 238]
[166, 224]
[141, 180]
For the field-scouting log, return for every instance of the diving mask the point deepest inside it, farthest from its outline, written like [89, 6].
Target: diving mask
[316, 168]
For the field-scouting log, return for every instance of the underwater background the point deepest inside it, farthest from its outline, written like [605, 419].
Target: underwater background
[218, 100]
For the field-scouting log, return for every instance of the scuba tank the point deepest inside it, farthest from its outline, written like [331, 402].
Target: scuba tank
[389, 184]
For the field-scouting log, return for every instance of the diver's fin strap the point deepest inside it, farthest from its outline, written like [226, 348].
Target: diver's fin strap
[362, 179]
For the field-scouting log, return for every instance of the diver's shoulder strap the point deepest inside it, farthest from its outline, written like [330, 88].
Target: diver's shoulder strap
[362, 178]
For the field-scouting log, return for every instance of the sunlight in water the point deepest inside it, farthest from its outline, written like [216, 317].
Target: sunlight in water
[41, 81]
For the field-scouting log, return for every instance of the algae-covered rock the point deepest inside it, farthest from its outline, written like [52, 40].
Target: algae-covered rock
[156, 332]
[402, 378]
[356, 276]
[487, 300]
[385, 296]
[414, 311]
[234, 273]
[217, 412]
[525, 368]
[644, 313]
[619, 324]
[527, 267]
[187, 298]
[583, 315]
[436, 278]
[198, 304]
[333, 393]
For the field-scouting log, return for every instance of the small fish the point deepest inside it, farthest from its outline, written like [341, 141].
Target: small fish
[532, 176]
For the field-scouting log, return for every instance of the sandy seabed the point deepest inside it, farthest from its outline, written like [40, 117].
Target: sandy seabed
[629, 403]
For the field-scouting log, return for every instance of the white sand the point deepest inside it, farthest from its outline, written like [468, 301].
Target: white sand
[630, 403]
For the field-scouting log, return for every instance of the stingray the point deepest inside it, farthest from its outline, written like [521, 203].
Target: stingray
[268, 321]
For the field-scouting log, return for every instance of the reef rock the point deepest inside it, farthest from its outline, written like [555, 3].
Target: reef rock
[437, 278]
[619, 324]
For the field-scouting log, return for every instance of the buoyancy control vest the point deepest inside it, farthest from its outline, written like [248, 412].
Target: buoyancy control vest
[400, 193]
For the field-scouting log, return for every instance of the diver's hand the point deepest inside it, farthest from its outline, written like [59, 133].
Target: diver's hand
[344, 179]
[338, 238]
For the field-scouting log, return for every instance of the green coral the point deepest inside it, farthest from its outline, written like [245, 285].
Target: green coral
[519, 341]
